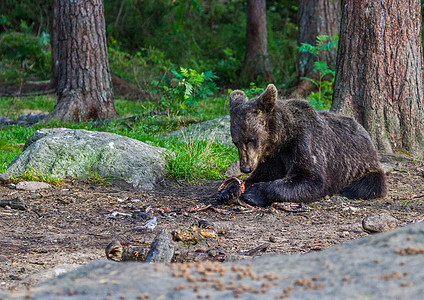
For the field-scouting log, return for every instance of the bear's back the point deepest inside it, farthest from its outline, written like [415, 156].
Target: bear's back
[339, 145]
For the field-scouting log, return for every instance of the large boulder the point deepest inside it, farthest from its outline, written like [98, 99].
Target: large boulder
[384, 266]
[216, 130]
[79, 153]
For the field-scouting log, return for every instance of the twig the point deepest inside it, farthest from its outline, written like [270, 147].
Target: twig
[254, 251]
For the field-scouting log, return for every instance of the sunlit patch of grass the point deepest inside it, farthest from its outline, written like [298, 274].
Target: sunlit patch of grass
[187, 160]
[127, 108]
[193, 159]
[98, 179]
[13, 107]
[35, 176]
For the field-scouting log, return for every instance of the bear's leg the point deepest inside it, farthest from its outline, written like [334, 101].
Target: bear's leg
[294, 189]
[370, 186]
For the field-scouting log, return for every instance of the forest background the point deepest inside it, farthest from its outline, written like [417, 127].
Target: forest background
[152, 45]
[148, 38]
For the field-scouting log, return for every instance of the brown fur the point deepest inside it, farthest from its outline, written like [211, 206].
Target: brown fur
[296, 154]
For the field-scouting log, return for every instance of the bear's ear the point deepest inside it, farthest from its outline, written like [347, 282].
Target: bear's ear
[237, 97]
[266, 101]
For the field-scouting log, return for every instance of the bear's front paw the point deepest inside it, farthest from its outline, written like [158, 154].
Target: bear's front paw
[231, 190]
[255, 195]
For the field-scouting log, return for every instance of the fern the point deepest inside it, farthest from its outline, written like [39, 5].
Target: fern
[323, 98]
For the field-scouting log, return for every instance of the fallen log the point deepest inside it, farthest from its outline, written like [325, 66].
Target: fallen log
[118, 251]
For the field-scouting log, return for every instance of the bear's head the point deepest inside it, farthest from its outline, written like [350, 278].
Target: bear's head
[249, 123]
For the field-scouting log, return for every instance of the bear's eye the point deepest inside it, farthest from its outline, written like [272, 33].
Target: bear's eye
[250, 141]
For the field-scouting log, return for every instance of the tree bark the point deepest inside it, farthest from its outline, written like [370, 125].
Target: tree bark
[379, 72]
[84, 80]
[314, 18]
[256, 61]
[54, 29]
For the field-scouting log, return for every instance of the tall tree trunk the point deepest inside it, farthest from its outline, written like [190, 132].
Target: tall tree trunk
[379, 72]
[84, 87]
[54, 30]
[314, 18]
[256, 61]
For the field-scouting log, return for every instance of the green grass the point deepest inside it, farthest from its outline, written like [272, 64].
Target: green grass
[30, 176]
[186, 160]
[13, 107]
[198, 159]
[126, 108]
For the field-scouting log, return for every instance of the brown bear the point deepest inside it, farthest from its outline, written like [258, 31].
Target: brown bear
[296, 154]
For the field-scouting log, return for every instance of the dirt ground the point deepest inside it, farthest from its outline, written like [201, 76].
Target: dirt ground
[70, 225]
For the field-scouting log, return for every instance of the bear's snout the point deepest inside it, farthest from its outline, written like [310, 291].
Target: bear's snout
[245, 170]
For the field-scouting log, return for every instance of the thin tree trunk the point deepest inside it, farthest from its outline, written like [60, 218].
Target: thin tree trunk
[118, 16]
[318, 17]
[54, 45]
[379, 72]
[84, 87]
[256, 61]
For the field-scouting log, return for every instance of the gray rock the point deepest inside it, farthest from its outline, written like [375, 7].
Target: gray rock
[5, 121]
[376, 267]
[4, 177]
[161, 250]
[79, 153]
[379, 222]
[30, 119]
[233, 170]
[217, 130]
[31, 185]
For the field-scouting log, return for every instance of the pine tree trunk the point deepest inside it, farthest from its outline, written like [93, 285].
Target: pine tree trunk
[379, 72]
[256, 61]
[318, 17]
[54, 30]
[84, 80]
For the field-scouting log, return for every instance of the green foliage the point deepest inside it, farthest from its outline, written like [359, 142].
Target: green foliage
[183, 90]
[139, 68]
[98, 179]
[24, 56]
[322, 99]
[127, 108]
[33, 176]
[36, 13]
[198, 159]
[151, 35]
[4, 21]
[191, 160]
[282, 40]
[227, 66]
[13, 107]
[251, 92]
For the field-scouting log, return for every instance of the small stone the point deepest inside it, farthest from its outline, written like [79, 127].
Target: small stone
[345, 233]
[32, 185]
[272, 239]
[387, 168]
[379, 222]
[14, 277]
[4, 177]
